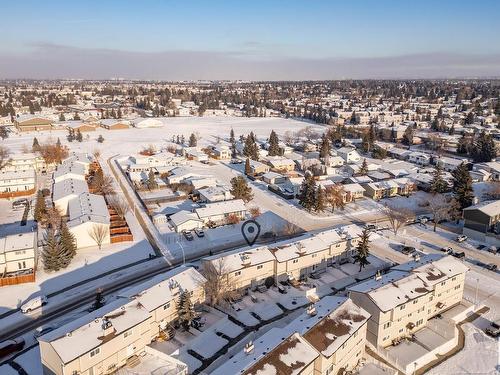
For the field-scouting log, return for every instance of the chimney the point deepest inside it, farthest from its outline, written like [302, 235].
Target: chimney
[378, 276]
[311, 310]
[107, 327]
[249, 348]
[301, 248]
[245, 259]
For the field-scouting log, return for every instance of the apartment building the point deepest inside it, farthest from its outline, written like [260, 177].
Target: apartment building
[160, 295]
[328, 338]
[244, 268]
[99, 342]
[25, 162]
[18, 253]
[17, 183]
[109, 338]
[403, 300]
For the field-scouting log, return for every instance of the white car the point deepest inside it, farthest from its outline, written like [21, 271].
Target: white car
[33, 304]
[462, 238]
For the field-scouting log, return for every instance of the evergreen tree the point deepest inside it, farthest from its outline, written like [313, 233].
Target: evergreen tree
[76, 116]
[363, 249]
[58, 143]
[40, 208]
[307, 195]
[71, 135]
[185, 310]
[79, 136]
[151, 180]
[363, 170]
[192, 140]
[463, 146]
[100, 139]
[484, 149]
[68, 241]
[183, 140]
[408, 135]
[61, 117]
[324, 150]
[51, 253]
[320, 204]
[240, 189]
[232, 140]
[274, 148]
[3, 132]
[36, 146]
[248, 169]
[251, 150]
[438, 184]
[462, 186]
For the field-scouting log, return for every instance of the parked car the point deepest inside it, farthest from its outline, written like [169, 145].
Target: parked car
[282, 289]
[11, 346]
[188, 235]
[481, 247]
[461, 238]
[315, 275]
[491, 267]
[236, 161]
[408, 250]
[447, 250]
[493, 249]
[459, 255]
[371, 227]
[262, 288]
[494, 329]
[33, 304]
[40, 331]
[20, 203]
[199, 232]
[423, 219]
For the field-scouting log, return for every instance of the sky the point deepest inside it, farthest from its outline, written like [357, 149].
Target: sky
[249, 40]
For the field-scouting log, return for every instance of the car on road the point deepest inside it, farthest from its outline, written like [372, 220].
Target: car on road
[461, 238]
[236, 161]
[491, 267]
[34, 304]
[11, 346]
[188, 235]
[199, 232]
[370, 227]
[423, 219]
[20, 203]
[40, 331]
[493, 249]
[408, 250]
[459, 255]
[447, 250]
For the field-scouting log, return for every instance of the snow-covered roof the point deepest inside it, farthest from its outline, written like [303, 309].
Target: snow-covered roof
[17, 175]
[84, 334]
[490, 208]
[409, 280]
[15, 242]
[183, 216]
[220, 208]
[88, 207]
[166, 287]
[148, 123]
[238, 259]
[67, 187]
[69, 168]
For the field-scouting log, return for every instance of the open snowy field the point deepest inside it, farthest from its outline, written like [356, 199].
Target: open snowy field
[132, 140]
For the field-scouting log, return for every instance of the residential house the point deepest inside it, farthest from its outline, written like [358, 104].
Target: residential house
[66, 190]
[24, 162]
[18, 183]
[18, 253]
[449, 164]
[353, 192]
[32, 123]
[221, 152]
[185, 221]
[68, 170]
[350, 155]
[258, 168]
[482, 221]
[419, 158]
[219, 212]
[273, 178]
[382, 189]
[115, 124]
[213, 194]
[280, 163]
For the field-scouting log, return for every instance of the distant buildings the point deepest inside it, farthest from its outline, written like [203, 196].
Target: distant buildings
[32, 123]
[17, 183]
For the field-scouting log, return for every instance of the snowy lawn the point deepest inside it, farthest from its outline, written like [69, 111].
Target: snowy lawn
[228, 328]
[30, 361]
[207, 344]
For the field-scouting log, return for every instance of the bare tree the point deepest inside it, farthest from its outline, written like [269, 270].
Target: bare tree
[335, 196]
[99, 232]
[96, 153]
[119, 205]
[53, 153]
[103, 183]
[4, 156]
[290, 229]
[53, 218]
[218, 288]
[440, 208]
[255, 212]
[398, 216]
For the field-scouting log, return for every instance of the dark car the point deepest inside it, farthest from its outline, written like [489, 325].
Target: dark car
[447, 250]
[11, 346]
[491, 267]
[407, 250]
[459, 255]
[236, 161]
[188, 235]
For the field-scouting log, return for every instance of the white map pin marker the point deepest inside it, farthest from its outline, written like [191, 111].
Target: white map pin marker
[250, 230]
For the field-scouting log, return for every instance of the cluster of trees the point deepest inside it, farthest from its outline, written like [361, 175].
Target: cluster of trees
[240, 189]
[178, 139]
[52, 153]
[317, 199]
[251, 149]
[72, 135]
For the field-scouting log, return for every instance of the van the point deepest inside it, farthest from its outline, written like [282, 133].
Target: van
[34, 304]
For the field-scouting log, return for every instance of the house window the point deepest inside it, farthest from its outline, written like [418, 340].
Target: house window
[444, 282]
[237, 273]
[259, 266]
[457, 287]
[420, 321]
[166, 306]
[314, 255]
[402, 307]
[127, 334]
[21, 265]
[95, 352]
[295, 261]
[453, 278]
[387, 325]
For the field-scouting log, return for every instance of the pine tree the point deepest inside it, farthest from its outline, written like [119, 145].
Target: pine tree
[251, 149]
[248, 169]
[51, 253]
[40, 208]
[307, 195]
[71, 135]
[240, 189]
[320, 204]
[183, 139]
[462, 186]
[151, 180]
[79, 136]
[484, 149]
[232, 140]
[274, 148]
[58, 143]
[36, 146]
[463, 146]
[438, 184]
[185, 310]
[363, 170]
[192, 140]
[68, 241]
[363, 249]
[324, 150]
[100, 139]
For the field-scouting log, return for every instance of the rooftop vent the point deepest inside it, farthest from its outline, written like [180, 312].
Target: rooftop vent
[249, 347]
